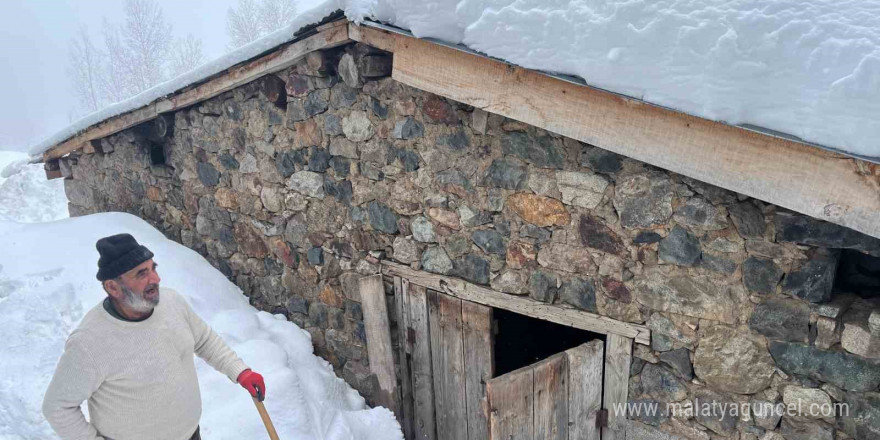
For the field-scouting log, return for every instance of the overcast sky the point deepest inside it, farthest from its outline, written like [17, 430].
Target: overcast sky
[35, 97]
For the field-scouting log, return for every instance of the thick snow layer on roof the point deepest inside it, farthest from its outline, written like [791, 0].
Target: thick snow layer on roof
[808, 68]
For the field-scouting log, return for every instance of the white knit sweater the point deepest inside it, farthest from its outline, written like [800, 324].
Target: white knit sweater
[139, 377]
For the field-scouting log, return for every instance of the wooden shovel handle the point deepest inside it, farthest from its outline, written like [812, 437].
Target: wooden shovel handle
[270, 428]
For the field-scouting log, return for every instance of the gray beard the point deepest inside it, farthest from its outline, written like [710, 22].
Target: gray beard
[137, 302]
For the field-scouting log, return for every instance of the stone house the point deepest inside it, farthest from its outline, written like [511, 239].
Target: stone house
[713, 263]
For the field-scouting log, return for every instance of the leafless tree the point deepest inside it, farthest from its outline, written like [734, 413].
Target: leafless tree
[275, 14]
[116, 82]
[186, 56]
[147, 38]
[243, 23]
[85, 71]
[252, 19]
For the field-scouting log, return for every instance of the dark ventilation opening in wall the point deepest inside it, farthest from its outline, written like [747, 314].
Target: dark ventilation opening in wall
[521, 340]
[157, 153]
[858, 273]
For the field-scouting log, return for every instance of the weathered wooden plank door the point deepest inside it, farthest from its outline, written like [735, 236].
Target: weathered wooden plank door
[446, 358]
[557, 398]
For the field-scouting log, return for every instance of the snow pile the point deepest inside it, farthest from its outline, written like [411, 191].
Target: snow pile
[47, 283]
[25, 194]
[806, 68]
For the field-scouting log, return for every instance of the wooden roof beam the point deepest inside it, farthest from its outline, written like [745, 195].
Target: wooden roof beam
[328, 36]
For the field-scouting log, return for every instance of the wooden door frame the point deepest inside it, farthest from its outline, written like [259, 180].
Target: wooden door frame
[618, 345]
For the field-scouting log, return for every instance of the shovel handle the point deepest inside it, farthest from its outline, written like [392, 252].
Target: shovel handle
[270, 428]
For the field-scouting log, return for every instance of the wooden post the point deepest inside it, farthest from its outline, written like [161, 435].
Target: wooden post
[401, 293]
[378, 332]
[53, 169]
[618, 355]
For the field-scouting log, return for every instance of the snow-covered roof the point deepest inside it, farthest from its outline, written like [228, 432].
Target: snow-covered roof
[808, 69]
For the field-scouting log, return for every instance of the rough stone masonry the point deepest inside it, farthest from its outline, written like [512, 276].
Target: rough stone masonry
[290, 200]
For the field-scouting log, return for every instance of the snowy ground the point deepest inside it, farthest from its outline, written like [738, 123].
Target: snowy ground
[47, 283]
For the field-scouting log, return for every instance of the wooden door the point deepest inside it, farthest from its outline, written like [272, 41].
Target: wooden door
[445, 361]
[557, 398]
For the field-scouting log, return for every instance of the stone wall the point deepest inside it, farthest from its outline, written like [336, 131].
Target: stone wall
[294, 204]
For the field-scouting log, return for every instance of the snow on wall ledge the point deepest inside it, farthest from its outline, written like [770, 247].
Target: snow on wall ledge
[807, 68]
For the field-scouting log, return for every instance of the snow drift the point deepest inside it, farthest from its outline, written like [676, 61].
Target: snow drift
[25, 194]
[810, 69]
[47, 283]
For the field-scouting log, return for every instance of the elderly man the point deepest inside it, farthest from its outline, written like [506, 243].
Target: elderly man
[132, 357]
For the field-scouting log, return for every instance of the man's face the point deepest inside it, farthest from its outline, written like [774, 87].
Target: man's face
[140, 287]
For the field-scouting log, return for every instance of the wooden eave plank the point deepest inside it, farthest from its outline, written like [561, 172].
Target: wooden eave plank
[525, 306]
[800, 177]
[235, 76]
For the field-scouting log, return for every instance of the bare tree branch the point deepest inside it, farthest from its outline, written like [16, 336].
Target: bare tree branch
[243, 24]
[186, 56]
[252, 19]
[85, 71]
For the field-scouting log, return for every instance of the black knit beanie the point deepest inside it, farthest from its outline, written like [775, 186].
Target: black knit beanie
[120, 253]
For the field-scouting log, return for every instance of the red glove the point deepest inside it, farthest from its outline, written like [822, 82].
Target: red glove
[253, 382]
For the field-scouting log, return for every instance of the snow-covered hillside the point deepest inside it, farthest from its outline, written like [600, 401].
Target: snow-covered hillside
[808, 68]
[47, 283]
[25, 194]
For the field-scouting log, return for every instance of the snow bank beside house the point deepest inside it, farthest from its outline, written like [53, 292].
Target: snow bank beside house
[25, 194]
[810, 69]
[47, 283]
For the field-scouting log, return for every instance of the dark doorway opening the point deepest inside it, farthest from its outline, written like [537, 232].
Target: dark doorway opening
[858, 273]
[521, 340]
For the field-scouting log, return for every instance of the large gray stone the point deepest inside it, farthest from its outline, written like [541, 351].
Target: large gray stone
[643, 200]
[457, 141]
[435, 260]
[813, 232]
[471, 268]
[680, 361]
[408, 128]
[319, 159]
[505, 173]
[661, 325]
[542, 286]
[599, 160]
[841, 369]
[802, 429]
[863, 421]
[782, 319]
[686, 295]
[815, 279]
[307, 183]
[489, 241]
[423, 230]
[857, 336]
[748, 219]
[580, 293]
[581, 189]
[405, 250]
[511, 281]
[357, 126]
[761, 275]
[659, 383]
[679, 247]
[723, 416]
[208, 175]
[732, 361]
[698, 212]
[544, 151]
[382, 218]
